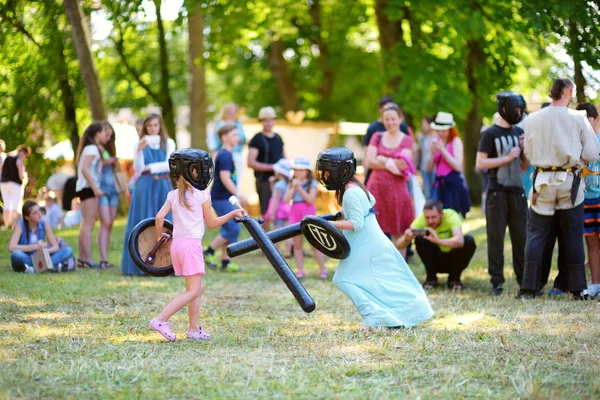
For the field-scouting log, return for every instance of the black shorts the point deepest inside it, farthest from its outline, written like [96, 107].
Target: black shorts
[85, 194]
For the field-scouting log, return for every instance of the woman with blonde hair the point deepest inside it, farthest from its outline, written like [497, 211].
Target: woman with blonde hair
[150, 160]
[389, 154]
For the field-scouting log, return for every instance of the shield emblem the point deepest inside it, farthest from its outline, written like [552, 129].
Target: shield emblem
[325, 237]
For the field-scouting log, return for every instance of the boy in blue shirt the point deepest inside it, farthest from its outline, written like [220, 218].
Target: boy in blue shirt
[224, 186]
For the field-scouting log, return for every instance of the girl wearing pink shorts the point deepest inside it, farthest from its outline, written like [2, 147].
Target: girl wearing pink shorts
[302, 192]
[191, 210]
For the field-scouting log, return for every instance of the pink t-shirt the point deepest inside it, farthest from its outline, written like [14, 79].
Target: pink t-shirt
[442, 168]
[188, 223]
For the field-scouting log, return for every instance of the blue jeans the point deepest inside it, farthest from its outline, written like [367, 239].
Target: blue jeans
[428, 181]
[19, 258]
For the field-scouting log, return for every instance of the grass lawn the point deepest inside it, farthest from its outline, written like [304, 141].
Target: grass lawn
[85, 335]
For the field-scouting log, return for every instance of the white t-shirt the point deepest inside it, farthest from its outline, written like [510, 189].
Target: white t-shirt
[95, 168]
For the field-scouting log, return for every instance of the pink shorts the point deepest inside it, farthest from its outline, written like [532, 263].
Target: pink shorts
[301, 210]
[187, 256]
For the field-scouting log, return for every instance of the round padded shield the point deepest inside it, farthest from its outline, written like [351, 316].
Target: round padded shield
[325, 237]
[142, 240]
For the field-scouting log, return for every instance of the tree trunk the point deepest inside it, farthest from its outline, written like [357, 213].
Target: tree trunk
[166, 101]
[197, 81]
[86, 60]
[574, 50]
[390, 39]
[473, 122]
[279, 69]
[67, 97]
[326, 88]
[579, 80]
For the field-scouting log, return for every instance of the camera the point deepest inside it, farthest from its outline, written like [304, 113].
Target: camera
[420, 232]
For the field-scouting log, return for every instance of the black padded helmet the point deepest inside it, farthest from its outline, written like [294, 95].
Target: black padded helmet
[511, 106]
[335, 167]
[185, 161]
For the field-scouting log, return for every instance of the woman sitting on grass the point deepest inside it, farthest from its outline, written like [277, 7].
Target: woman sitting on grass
[32, 234]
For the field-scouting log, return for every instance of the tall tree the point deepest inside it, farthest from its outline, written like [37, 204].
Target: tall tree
[281, 74]
[51, 87]
[197, 78]
[572, 24]
[154, 79]
[89, 73]
[389, 22]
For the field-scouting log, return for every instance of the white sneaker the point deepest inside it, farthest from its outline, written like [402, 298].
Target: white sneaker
[594, 289]
[29, 269]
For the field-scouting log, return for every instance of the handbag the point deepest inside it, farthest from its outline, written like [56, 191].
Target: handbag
[42, 261]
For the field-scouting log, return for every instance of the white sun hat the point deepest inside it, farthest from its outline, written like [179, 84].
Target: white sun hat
[443, 121]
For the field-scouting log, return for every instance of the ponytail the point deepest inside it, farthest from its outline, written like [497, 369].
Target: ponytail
[183, 187]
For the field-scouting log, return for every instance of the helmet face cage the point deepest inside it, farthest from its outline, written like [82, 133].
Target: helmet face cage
[196, 167]
[334, 174]
[511, 107]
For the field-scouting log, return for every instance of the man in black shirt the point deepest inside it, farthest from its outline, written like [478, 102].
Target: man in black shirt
[500, 153]
[264, 150]
[377, 126]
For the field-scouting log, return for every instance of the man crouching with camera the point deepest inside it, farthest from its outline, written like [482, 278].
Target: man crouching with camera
[440, 243]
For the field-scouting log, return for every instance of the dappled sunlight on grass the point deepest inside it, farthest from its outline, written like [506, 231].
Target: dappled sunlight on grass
[22, 302]
[37, 331]
[86, 335]
[465, 322]
[143, 283]
[46, 316]
[470, 225]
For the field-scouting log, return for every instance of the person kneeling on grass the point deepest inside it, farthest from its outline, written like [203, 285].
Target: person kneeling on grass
[32, 234]
[224, 186]
[440, 243]
[374, 276]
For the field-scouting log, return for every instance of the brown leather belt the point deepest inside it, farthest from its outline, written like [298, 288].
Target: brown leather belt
[574, 187]
[553, 169]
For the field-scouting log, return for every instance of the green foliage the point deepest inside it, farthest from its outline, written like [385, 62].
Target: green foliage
[138, 36]
[33, 38]
[430, 56]
[238, 44]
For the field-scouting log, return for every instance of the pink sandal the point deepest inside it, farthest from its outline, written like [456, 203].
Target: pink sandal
[324, 275]
[164, 328]
[201, 334]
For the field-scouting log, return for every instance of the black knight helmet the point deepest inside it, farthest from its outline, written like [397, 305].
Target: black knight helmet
[335, 167]
[511, 106]
[185, 162]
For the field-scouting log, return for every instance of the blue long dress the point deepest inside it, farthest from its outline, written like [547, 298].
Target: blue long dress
[375, 276]
[148, 196]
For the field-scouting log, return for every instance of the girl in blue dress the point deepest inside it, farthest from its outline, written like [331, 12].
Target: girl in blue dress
[150, 161]
[375, 276]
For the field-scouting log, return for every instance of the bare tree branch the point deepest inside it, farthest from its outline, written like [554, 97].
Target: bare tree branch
[120, 47]
[14, 21]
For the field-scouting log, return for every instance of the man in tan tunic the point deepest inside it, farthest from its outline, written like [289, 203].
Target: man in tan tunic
[559, 142]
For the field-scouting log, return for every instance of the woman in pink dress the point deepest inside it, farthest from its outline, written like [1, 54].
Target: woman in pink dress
[388, 181]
